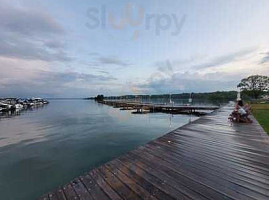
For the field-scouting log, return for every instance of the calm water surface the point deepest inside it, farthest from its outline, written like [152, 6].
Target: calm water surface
[46, 147]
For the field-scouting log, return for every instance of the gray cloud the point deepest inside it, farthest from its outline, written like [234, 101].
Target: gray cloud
[104, 72]
[185, 82]
[17, 47]
[53, 44]
[265, 58]
[66, 77]
[27, 21]
[100, 62]
[225, 59]
[165, 68]
[113, 61]
[56, 84]
[168, 79]
[24, 33]
[165, 80]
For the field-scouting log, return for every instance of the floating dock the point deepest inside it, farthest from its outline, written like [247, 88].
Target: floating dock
[167, 108]
[209, 158]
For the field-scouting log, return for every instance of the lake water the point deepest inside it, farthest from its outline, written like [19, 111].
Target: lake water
[46, 147]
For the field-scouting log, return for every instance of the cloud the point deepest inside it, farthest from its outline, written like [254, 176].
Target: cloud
[219, 61]
[29, 33]
[165, 68]
[102, 62]
[53, 44]
[167, 80]
[27, 21]
[104, 72]
[113, 61]
[186, 82]
[55, 84]
[265, 59]
[66, 77]
[27, 78]
[18, 47]
[170, 77]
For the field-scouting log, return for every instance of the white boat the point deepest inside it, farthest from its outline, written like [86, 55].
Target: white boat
[5, 107]
[18, 106]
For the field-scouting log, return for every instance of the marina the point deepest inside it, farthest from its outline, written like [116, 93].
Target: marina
[143, 108]
[17, 104]
[134, 100]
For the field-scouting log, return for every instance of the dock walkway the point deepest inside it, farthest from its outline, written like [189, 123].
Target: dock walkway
[155, 106]
[206, 159]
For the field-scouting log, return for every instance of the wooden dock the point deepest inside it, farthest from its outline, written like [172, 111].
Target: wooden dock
[153, 107]
[207, 159]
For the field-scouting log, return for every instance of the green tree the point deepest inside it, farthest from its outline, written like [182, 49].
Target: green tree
[255, 85]
[99, 98]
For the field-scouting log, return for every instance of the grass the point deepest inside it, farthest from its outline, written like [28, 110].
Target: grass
[261, 113]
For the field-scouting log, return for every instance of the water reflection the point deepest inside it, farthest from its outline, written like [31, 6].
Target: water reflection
[19, 129]
[13, 113]
[48, 146]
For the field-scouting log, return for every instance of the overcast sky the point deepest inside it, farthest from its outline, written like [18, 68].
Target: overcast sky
[81, 48]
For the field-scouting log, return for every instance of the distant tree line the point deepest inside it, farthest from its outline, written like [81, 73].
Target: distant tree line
[252, 87]
[218, 97]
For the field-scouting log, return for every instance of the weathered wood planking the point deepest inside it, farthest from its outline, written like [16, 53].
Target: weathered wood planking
[206, 159]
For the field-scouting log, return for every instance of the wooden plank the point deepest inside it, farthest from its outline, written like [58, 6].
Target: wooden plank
[218, 141]
[203, 189]
[259, 159]
[145, 180]
[253, 141]
[124, 191]
[81, 190]
[212, 178]
[211, 143]
[94, 189]
[189, 194]
[104, 185]
[236, 139]
[220, 162]
[144, 194]
[69, 192]
[60, 194]
[226, 162]
[257, 167]
[241, 162]
[213, 166]
[52, 196]
[158, 181]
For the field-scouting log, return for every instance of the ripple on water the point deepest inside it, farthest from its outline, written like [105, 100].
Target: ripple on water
[44, 148]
